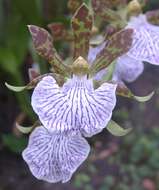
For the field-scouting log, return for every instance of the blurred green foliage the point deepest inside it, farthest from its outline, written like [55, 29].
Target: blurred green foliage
[136, 161]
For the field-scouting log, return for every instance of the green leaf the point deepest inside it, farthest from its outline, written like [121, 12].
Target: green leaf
[24, 130]
[15, 88]
[118, 45]
[117, 130]
[82, 23]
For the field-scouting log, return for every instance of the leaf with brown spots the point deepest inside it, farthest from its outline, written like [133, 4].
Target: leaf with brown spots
[60, 32]
[82, 23]
[118, 45]
[153, 16]
[43, 44]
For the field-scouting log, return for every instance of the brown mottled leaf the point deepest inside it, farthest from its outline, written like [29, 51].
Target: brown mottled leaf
[102, 8]
[73, 5]
[43, 44]
[118, 45]
[60, 32]
[122, 90]
[153, 16]
[82, 23]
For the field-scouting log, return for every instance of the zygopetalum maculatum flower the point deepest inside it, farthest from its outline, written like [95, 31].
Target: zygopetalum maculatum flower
[69, 102]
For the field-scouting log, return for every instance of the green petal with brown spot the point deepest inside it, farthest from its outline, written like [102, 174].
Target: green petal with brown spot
[82, 23]
[118, 45]
[43, 43]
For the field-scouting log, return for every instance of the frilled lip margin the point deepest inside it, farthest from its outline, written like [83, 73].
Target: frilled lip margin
[54, 157]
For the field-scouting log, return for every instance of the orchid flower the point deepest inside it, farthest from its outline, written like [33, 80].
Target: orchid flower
[73, 109]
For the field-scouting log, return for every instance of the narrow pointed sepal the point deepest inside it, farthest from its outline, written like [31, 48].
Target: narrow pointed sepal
[32, 84]
[24, 130]
[15, 88]
[144, 98]
[54, 157]
[119, 44]
[82, 23]
[122, 90]
[116, 130]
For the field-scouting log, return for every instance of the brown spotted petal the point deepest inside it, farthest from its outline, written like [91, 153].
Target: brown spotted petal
[43, 44]
[153, 16]
[82, 22]
[60, 32]
[102, 8]
[118, 45]
[73, 5]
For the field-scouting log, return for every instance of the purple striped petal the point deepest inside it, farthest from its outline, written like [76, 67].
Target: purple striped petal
[127, 69]
[76, 107]
[54, 157]
[145, 45]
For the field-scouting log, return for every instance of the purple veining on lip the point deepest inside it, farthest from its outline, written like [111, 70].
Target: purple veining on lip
[55, 157]
[76, 107]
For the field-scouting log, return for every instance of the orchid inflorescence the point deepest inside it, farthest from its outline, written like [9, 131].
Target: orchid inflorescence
[76, 100]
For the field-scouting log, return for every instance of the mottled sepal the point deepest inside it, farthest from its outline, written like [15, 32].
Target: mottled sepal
[122, 90]
[153, 16]
[102, 8]
[117, 130]
[73, 5]
[118, 45]
[43, 44]
[82, 23]
[60, 32]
